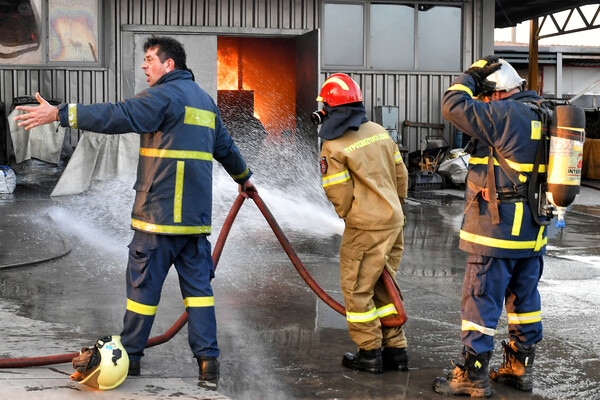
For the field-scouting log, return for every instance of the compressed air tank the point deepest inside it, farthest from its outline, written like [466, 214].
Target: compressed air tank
[567, 134]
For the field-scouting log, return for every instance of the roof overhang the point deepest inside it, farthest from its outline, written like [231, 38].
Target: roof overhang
[511, 12]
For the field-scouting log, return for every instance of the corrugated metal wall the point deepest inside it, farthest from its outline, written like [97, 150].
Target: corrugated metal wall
[416, 94]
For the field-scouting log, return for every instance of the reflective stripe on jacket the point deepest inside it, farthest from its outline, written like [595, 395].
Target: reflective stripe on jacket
[364, 177]
[514, 129]
[181, 134]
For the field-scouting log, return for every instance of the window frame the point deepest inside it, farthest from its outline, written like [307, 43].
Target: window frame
[366, 63]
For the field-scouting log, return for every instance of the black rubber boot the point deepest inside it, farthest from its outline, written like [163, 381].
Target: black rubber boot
[517, 368]
[469, 379]
[364, 360]
[209, 368]
[134, 368]
[395, 359]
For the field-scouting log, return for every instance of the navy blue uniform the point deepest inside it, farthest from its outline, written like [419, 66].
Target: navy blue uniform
[505, 244]
[181, 134]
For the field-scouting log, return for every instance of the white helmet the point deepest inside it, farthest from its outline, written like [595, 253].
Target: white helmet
[506, 78]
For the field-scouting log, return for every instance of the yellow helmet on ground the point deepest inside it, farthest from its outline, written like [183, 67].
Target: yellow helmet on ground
[103, 366]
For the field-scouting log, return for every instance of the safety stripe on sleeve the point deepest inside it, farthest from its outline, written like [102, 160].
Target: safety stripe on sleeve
[458, 86]
[516, 228]
[242, 175]
[178, 199]
[196, 116]
[397, 157]
[170, 229]
[505, 244]
[336, 178]
[140, 308]
[73, 115]
[208, 301]
[524, 318]
[471, 326]
[362, 317]
[164, 153]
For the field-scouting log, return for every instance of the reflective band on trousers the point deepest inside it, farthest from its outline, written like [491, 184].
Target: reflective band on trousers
[207, 301]
[471, 326]
[140, 308]
[336, 178]
[172, 229]
[525, 318]
[372, 314]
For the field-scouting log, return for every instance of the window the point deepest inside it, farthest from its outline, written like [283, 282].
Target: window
[73, 30]
[409, 36]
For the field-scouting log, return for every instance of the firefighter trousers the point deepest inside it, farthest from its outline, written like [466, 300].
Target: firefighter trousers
[488, 283]
[363, 256]
[150, 258]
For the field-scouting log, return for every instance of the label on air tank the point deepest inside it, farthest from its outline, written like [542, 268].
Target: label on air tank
[566, 159]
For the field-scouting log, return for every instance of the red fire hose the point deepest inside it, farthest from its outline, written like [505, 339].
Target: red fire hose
[397, 320]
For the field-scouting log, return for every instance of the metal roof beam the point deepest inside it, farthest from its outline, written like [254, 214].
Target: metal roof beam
[564, 29]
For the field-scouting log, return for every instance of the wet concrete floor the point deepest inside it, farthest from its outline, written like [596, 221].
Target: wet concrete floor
[62, 286]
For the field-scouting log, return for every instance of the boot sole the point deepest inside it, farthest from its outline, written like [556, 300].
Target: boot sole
[358, 367]
[514, 381]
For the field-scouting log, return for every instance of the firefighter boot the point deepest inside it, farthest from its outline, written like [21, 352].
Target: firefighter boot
[209, 368]
[516, 369]
[134, 368]
[395, 359]
[364, 360]
[469, 379]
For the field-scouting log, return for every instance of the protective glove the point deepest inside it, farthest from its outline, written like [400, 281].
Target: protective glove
[88, 358]
[480, 70]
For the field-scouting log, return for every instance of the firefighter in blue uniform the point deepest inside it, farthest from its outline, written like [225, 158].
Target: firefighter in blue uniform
[181, 132]
[504, 242]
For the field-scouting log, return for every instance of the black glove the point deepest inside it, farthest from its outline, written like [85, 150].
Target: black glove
[480, 70]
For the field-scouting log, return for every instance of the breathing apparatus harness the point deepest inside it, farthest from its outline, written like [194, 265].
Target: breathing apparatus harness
[532, 192]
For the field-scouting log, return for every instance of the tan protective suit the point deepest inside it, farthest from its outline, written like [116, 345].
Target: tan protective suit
[366, 180]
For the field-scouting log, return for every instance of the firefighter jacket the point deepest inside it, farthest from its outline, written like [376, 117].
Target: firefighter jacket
[511, 129]
[365, 178]
[181, 132]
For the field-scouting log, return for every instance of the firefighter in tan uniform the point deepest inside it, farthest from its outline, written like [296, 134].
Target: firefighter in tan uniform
[366, 180]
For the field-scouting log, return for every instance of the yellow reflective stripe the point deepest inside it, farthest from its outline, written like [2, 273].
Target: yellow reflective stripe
[504, 244]
[471, 326]
[163, 153]
[536, 130]
[338, 81]
[336, 178]
[479, 64]
[458, 86]
[242, 175]
[178, 200]
[525, 318]
[397, 157]
[73, 116]
[362, 317]
[196, 116]
[541, 240]
[386, 310]
[514, 165]
[140, 308]
[516, 229]
[207, 301]
[172, 229]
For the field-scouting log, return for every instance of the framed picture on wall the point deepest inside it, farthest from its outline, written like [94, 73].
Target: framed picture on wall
[20, 32]
[73, 31]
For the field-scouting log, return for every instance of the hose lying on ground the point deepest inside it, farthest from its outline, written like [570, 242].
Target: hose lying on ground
[397, 320]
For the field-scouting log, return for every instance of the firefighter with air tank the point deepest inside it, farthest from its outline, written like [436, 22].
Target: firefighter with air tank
[508, 204]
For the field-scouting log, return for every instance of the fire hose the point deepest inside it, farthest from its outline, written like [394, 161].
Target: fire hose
[386, 278]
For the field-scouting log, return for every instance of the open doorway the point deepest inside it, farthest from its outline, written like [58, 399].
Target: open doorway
[256, 81]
